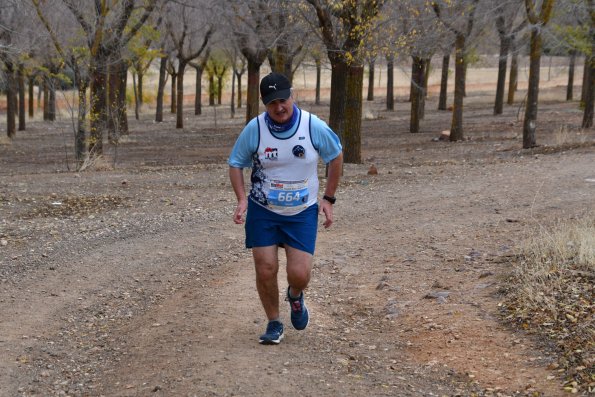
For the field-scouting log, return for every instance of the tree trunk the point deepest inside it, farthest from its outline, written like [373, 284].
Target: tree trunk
[122, 106]
[318, 79]
[161, 89]
[39, 96]
[46, 100]
[98, 105]
[390, 83]
[586, 71]
[338, 97]
[174, 97]
[371, 80]
[135, 91]
[465, 78]
[31, 97]
[198, 92]
[219, 89]
[444, 82]
[11, 100]
[590, 83]
[211, 89]
[426, 64]
[118, 120]
[416, 92]
[180, 112]
[589, 96]
[411, 85]
[21, 85]
[81, 132]
[529, 123]
[570, 86]
[427, 71]
[514, 72]
[456, 128]
[52, 101]
[252, 101]
[353, 115]
[233, 94]
[502, 63]
[139, 87]
[239, 76]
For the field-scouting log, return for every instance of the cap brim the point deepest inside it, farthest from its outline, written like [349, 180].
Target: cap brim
[281, 94]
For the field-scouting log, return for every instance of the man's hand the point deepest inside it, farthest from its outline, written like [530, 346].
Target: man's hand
[238, 214]
[327, 209]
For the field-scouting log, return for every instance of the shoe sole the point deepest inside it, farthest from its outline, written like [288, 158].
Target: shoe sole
[271, 341]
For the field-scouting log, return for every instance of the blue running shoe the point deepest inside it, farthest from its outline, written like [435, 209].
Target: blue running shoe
[273, 334]
[299, 311]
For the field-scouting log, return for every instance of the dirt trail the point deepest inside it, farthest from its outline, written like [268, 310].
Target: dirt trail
[135, 282]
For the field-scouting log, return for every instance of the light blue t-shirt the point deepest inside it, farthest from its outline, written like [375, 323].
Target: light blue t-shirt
[323, 138]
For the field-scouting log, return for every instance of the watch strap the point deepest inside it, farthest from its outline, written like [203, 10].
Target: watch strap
[330, 199]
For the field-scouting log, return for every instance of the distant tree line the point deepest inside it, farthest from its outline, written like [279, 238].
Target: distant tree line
[95, 45]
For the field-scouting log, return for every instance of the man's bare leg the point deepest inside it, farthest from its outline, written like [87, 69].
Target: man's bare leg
[266, 263]
[299, 269]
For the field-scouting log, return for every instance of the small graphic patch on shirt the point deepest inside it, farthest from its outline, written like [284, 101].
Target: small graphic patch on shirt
[298, 151]
[271, 153]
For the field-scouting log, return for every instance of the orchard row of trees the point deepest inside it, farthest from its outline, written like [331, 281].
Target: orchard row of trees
[94, 45]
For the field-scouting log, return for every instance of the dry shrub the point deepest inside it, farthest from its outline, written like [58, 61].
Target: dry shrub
[566, 136]
[551, 292]
[4, 140]
[96, 163]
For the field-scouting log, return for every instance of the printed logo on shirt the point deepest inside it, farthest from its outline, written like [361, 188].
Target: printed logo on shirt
[271, 153]
[298, 151]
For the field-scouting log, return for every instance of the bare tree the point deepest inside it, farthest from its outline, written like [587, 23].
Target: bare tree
[172, 71]
[189, 31]
[420, 37]
[238, 66]
[571, 69]
[161, 88]
[442, 96]
[537, 20]
[590, 83]
[506, 15]
[390, 81]
[256, 36]
[199, 66]
[514, 69]
[345, 27]
[288, 52]
[143, 49]
[62, 30]
[461, 25]
[108, 27]
[9, 53]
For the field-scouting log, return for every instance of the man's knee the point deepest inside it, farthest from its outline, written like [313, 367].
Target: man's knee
[266, 270]
[298, 276]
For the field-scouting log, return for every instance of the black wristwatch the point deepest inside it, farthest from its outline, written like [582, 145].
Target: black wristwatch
[330, 199]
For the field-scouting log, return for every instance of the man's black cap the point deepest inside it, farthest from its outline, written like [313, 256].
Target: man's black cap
[274, 86]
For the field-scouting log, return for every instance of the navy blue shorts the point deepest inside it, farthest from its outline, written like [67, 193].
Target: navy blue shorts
[265, 228]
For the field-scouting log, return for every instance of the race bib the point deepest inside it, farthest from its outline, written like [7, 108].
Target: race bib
[288, 193]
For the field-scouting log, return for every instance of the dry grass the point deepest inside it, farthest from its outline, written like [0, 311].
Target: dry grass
[4, 140]
[96, 163]
[565, 136]
[551, 293]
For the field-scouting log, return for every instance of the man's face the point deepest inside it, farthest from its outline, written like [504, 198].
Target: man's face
[280, 110]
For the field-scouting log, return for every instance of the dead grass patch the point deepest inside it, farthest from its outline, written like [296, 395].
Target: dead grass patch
[4, 140]
[551, 293]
